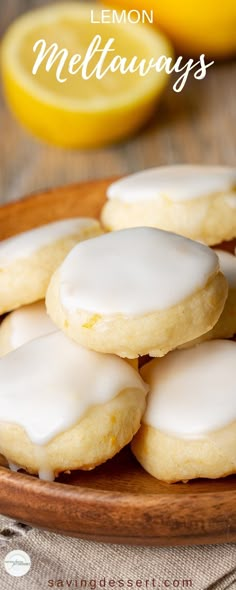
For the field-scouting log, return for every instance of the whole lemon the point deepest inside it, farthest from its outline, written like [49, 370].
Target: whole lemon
[196, 26]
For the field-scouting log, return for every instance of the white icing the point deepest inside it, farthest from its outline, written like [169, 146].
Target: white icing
[177, 183]
[192, 392]
[46, 474]
[29, 322]
[134, 271]
[24, 244]
[228, 266]
[49, 384]
[14, 467]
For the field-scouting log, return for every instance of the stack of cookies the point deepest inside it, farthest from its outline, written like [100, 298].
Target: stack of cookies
[71, 395]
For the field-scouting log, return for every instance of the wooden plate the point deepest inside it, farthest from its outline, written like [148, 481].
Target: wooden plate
[117, 502]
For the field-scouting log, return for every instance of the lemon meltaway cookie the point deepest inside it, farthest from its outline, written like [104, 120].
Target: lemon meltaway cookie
[63, 407]
[28, 260]
[137, 291]
[198, 202]
[189, 427]
[226, 325]
[24, 324]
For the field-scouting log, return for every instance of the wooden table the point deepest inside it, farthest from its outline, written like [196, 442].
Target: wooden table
[198, 125]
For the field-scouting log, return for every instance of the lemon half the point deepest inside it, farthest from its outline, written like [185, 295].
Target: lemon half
[78, 112]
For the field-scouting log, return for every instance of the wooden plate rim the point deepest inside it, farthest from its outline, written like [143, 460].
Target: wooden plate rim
[49, 487]
[159, 513]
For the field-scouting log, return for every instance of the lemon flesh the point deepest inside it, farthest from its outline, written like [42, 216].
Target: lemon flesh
[78, 112]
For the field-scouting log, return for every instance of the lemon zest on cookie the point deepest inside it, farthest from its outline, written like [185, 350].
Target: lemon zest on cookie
[93, 320]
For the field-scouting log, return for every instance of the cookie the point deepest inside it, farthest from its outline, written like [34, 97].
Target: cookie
[28, 260]
[137, 291]
[63, 407]
[27, 323]
[226, 325]
[24, 324]
[198, 202]
[189, 427]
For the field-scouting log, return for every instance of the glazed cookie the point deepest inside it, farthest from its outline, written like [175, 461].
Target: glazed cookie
[198, 202]
[28, 260]
[226, 325]
[27, 323]
[24, 324]
[137, 291]
[63, 407]
[189, 427]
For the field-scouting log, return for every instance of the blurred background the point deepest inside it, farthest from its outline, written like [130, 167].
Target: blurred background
[196, 126]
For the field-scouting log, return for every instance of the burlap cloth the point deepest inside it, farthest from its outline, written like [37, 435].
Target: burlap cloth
[72, 563]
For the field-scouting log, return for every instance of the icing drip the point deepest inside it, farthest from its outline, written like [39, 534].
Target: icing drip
[46, 475]
[13, 467]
